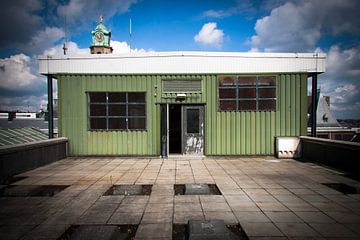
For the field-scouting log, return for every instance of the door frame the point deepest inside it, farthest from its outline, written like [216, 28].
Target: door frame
[164, 127]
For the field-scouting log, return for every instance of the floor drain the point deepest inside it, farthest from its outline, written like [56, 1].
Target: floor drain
[342, 187]
[32, 190]
[208, 229]
[129, 190]
[105, 232]
[196, 189]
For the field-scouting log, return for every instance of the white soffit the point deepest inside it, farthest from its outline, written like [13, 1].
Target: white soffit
[183, 63]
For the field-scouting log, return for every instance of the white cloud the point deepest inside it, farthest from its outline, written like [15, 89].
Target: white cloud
[72, 49]
[347, 88]
[123, 48]
[219, 13]
[15, 72]
[81, 13]
[210, 35]
[298, 25]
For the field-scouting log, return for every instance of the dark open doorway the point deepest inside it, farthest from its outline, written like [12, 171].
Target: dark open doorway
[175, 128]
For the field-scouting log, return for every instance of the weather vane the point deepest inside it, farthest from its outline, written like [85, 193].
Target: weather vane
[101, 19]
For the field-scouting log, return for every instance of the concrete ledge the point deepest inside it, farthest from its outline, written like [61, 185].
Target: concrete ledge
[19, 158]
[338, 154]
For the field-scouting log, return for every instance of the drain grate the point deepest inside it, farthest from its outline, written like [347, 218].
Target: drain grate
[129, 190]
[95, 232]
[342, 187]
[32, 190]
[196, 189]
[208, 229]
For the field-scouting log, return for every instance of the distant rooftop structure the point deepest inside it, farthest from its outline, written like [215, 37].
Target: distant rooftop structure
[21, 135]
[324, 118]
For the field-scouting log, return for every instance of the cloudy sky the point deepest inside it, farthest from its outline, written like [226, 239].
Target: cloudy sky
[30, 28]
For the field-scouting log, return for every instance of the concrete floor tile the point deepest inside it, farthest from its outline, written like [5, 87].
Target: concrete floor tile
[283, 217]
[261, 230]
[333, 230]
[44, 231]
[157, 217]
[297, 230]
[314, 217]
[186, 207]
[344, 217]
[154, 231]
[272, 206]
[251, 217]
[186, 199]
[228, 217]
[159, 207]
[181, 217]
[215, 206]
[125, 218]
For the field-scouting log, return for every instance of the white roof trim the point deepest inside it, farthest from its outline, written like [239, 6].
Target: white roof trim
[183, 63]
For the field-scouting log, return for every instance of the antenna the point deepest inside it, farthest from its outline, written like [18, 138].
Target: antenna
[130, 35]
[65, 38]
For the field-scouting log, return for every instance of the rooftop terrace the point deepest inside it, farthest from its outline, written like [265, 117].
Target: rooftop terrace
[284, 199]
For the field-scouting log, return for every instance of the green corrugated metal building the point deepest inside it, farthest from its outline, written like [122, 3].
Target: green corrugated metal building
[189, 103]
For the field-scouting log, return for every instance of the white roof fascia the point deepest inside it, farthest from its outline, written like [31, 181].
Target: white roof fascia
[183, 63]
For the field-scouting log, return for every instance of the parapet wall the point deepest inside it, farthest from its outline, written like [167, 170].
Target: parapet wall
[338, 154]
[19, 158]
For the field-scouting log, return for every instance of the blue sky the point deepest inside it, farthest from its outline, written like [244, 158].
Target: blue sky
[30, 28]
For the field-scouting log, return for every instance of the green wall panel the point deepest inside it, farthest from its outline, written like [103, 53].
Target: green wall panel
[226, 133]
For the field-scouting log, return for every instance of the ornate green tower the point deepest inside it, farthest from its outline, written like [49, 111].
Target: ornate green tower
[100, 39]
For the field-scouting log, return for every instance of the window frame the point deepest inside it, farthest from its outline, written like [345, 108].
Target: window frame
[257, 97]
[107, 115]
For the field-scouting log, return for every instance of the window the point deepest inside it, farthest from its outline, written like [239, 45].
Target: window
[247, 93]
[117, 111]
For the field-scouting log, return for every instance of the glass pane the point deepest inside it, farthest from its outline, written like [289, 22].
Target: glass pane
[267, 81]
[192, 121]
[247, 93]
[247, 105]
[136, 97]
[97, 123]
[136, 110]
[227, 105]
[137, 123]
[227, 81]
[267, 105]
[117, 110]
[117, 97]
[227, 93]
[267, 93]
[117, 123]
[97, 97]
[247, 81]
[97, 110]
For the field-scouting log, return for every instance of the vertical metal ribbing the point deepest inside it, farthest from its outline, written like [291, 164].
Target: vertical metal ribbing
[50, 106]
[314, 104]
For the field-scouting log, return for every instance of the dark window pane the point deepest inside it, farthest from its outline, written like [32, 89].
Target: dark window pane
[97, 123]
[137, 123]
[227, 81]
[267, 105]
[247, 93]
[117, 110]
[267, 93]
[136, 110]
[227, 93]
[247, 81]
[97, 110]
[117, 123]
[97, 97]
[136, 97]
[117, 97]
[267, 81]
[247, 105]
[227, 105]
[192, 122]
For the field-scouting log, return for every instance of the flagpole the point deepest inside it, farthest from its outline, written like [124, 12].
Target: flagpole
[130, 35]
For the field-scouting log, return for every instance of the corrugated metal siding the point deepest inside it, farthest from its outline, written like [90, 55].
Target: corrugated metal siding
[73, 110]
[226, 133]
[252, 133]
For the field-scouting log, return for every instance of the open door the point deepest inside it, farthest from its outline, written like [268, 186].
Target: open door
[164, 143]
[193, 130]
